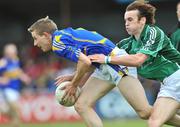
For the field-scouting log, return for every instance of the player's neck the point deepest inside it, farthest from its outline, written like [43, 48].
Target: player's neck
[139, 32]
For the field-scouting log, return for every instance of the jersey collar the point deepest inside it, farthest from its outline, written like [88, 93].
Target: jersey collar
[54, 34]
[143, 33]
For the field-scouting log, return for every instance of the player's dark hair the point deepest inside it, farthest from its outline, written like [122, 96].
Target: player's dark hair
[43, 25]
[145, 10]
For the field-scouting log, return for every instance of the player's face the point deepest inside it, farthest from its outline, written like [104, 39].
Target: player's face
[10, 51]
[132, 23]
[42, 41]
[178, 11]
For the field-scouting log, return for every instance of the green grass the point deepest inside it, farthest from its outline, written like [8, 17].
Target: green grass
[113, 123]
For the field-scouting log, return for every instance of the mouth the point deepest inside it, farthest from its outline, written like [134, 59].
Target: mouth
[40, 47]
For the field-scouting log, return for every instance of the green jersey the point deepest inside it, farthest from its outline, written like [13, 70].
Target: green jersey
[163, 58]
[175, 39]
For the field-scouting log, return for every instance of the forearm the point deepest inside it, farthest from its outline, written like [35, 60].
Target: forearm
[24, 77]
[86, 76]
[133, 60]
[72, 75]
[80, 73]
[83, 66]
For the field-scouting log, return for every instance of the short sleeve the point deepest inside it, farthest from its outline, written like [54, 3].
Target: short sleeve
[64, 49]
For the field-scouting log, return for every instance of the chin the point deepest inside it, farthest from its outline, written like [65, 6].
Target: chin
[130, 33]
[45, 50]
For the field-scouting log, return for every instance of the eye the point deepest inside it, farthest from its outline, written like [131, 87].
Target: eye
[130, 19]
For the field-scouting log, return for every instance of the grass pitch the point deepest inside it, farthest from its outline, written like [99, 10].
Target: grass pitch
[112, 123]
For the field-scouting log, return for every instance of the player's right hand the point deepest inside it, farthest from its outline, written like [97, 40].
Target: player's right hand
[98, 58]
[63, 78]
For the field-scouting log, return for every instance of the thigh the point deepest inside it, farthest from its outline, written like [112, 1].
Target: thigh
[12, 96]
[134, 93]
[164, 108]
[93, 90]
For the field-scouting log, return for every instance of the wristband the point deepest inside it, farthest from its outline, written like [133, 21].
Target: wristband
[107, 59]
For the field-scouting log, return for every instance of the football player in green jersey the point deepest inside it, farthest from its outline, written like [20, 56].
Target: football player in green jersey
[156, 58]
[175, 36]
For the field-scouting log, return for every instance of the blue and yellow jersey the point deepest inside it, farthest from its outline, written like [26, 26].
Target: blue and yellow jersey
[10, 69]
[69, 42]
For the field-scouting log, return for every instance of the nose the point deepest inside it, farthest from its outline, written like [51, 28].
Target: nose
[126, 23]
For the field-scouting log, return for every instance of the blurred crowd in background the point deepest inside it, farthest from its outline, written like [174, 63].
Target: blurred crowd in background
[43, 69]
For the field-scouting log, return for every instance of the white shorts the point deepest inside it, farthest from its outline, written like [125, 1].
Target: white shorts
[120, 52]
[106, 72]
[11, 94]
[170, 87]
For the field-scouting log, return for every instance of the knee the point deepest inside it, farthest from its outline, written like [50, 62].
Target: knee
[80, 107]
[144, 114]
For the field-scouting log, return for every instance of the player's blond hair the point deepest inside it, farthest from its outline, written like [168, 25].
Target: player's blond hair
[43, 25]
[145, 10]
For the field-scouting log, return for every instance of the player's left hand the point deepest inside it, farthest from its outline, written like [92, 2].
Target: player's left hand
[98, 58]
[63, 78]
[70, 91]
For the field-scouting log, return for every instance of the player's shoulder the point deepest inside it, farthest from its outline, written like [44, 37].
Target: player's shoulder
[58, 41]
[59, 35]
[154, 30]
[152, 33]
[65, 31]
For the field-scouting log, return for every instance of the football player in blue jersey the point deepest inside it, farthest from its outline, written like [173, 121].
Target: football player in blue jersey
[11, 76]
[98, 79]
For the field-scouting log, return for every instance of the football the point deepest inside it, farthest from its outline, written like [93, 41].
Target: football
[59, 94]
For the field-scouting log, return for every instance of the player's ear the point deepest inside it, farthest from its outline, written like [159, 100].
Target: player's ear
[46, 34]
[143, 20]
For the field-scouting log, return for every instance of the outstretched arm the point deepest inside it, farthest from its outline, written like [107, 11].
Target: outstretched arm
[134, 60]
[24, 77]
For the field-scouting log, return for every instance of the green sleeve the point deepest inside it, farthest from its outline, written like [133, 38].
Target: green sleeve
[157, 43]
[173, 40]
